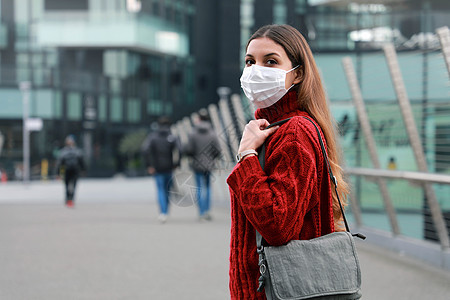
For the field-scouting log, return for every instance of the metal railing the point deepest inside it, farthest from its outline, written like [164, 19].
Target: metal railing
[412, 177]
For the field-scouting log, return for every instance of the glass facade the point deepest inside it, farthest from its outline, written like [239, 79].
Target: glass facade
[332, 26]
[98, 70]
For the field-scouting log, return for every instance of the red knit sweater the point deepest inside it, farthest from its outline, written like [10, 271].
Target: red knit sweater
[290, 199]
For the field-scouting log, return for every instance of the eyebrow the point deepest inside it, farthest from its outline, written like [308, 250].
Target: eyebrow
[266, 55]
[271, 54]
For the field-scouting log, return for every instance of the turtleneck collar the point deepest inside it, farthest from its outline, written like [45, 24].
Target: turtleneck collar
[283, 108]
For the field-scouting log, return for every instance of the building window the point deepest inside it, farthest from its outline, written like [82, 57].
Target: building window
[116, 109]
[41, 75]
[279, 12]
[154, 107]
[73, 106]
[102, 108]
[169, 108]
[133, 110]
[42, 104]
[66, 5]
[57, 104]
[23, 73]
[115, 63]
[247, 21]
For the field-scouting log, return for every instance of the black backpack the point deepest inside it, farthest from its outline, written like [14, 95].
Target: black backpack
[70, 160]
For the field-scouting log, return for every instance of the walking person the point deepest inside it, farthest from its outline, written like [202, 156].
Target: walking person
[203, 148]
[159, 148]
[70, 163]
[292, 197]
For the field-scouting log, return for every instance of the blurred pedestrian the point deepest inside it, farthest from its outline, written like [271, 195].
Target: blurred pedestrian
[392, 164]
[3, 175]
[70, 163]
[291, 198]
[203, 147]
[162, 152]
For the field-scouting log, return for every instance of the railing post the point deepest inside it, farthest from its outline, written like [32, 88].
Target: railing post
[355, 209]
[186, 126]
[444, 38]
[239, 111]
[195, 117]
[229, 126]
[215, 119]
[182, 129]
[411, 128]
[370, 141]
[178, 130]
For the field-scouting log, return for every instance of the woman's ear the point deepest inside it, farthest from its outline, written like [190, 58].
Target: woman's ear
[298, 75]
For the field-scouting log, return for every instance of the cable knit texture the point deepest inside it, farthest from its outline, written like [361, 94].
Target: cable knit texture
[290, 199]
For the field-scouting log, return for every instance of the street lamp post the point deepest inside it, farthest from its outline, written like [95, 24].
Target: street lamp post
[2, 139]
[25, 89]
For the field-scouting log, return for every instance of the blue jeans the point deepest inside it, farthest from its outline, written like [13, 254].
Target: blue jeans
[163, 183]
[203, 180]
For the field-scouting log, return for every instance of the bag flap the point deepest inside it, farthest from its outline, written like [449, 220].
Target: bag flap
[323, 266]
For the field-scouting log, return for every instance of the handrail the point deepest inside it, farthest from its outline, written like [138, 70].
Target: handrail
[421, 177]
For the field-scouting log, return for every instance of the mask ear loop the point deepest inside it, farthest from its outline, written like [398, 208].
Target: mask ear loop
[291, 71]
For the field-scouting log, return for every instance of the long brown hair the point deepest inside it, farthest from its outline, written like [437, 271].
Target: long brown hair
[311, 98]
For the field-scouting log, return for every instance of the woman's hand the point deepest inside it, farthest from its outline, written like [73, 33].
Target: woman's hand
[254, 134]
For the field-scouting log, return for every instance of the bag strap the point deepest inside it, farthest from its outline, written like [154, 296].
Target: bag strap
[262, 151]
[259, 239]
[330, 172]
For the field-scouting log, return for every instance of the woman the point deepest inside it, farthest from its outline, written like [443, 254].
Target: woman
[292, 197]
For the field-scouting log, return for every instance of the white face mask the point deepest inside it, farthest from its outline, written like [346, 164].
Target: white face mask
[264, 86]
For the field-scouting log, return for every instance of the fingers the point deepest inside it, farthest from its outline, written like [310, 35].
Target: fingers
[271, 130]
[262, 123]
[255, 134]
[257, 125]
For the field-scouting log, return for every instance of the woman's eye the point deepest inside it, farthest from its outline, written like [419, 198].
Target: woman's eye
[271, 62]
[249, 62]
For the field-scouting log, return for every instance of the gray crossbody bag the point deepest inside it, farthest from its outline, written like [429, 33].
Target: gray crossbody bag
[326, 267]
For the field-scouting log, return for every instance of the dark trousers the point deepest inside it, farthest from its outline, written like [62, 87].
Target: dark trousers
[70, 180]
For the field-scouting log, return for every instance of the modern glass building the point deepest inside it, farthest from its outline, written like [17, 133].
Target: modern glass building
[98, 70]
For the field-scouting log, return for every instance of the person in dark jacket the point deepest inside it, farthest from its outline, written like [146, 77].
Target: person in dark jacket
[70, 163]
[203, 147]
[160, 149]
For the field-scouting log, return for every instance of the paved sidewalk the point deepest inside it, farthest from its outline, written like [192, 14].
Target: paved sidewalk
[113, 190]
[111, 246]
[111, 251]
[119, 189]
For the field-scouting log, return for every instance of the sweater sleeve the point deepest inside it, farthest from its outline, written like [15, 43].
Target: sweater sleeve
[275, 200]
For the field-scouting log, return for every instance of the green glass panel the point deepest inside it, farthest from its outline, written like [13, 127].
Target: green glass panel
[74, 106]
[102, 108]
[116, 109]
